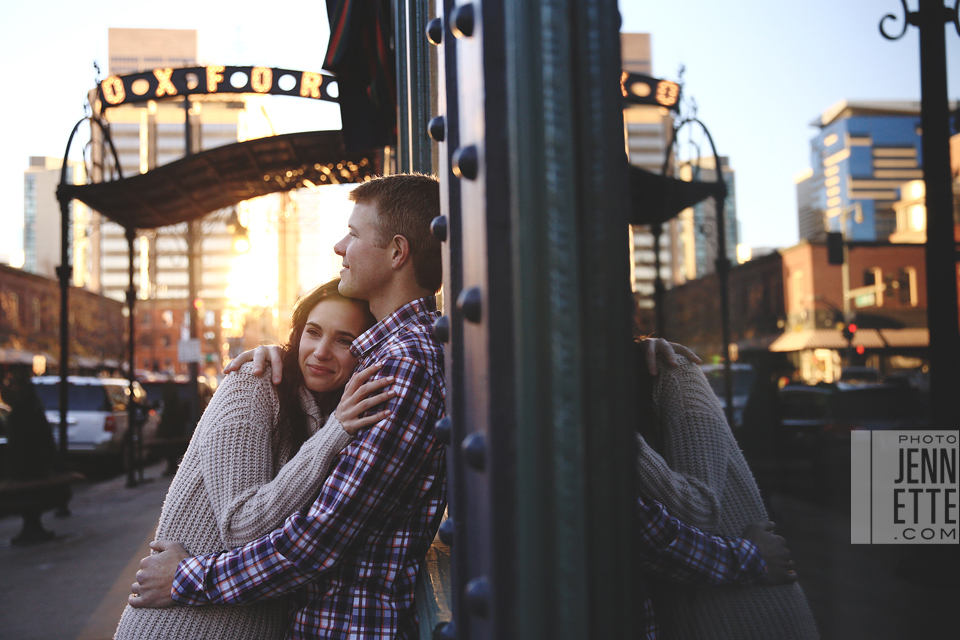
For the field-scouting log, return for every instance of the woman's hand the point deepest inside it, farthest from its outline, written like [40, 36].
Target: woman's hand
[271, 352]
[357, 398]
[653, 347]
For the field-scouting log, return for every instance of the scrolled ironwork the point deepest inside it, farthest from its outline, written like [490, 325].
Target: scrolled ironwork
[956, 16]
[909, 17]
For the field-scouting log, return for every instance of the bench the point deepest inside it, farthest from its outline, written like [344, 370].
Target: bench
[31, 498]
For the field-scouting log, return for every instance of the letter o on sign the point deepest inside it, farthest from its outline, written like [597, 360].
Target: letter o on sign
[261, 79]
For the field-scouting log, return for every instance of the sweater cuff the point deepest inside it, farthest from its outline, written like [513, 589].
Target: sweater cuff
[344, 437]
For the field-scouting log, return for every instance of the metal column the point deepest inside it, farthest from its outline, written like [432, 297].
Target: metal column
[542, 455]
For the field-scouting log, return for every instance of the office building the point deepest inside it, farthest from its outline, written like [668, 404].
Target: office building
[860, 156]
[647, 131]
[153, 134]
[698, 224]
[42, 220]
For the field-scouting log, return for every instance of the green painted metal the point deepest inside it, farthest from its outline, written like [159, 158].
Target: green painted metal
[576, 493]
[401, 44]
[414, 152]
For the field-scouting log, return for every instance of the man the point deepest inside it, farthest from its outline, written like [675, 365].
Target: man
[353, 554]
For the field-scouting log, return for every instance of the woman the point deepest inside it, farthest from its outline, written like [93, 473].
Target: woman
[260, 453]
[701, 477]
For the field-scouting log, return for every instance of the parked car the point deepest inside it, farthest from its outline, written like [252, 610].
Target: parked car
[97, 416]
[815, 416]
[156, 387]
[859, 375]
[743, 377]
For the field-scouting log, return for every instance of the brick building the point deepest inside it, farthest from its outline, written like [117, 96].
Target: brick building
[784, 310]
[30, 326]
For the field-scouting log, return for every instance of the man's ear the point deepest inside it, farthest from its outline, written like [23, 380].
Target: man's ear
[399, 251]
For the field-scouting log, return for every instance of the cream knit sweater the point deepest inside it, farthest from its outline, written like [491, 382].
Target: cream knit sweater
[227, 493]
[703, 480]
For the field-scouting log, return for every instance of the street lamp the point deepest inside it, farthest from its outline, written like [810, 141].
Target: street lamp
[941, 250]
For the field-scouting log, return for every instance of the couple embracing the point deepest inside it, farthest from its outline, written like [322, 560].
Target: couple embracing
[312, 497]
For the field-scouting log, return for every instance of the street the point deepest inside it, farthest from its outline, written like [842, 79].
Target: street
[75, 587]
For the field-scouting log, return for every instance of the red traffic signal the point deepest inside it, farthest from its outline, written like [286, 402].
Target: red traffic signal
[849, 330]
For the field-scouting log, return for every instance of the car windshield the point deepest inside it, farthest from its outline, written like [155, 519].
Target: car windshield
[804, 405]
[878, 403]
[82, 397]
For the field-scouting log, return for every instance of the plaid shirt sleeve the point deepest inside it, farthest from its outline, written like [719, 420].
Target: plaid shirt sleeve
[678, 552]
[381, 474]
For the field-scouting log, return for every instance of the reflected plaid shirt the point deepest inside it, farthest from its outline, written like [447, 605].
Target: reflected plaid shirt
[354, 553]
[678, 552]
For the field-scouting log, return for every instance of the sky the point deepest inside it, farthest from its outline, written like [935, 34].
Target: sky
[760, 72]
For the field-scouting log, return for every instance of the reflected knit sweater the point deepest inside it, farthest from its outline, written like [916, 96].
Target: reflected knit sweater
[703, 480]
[227, 493]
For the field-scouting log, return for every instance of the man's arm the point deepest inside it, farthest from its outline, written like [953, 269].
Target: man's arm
[381, 474]
[681, 553]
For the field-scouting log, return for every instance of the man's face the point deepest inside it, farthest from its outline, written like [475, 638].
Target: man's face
[366, 267]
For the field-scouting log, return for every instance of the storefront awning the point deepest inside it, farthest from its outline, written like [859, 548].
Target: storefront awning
[196, 185]
[655, 199]
[810, 339]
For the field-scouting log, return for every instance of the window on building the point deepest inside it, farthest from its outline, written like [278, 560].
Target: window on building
[36, 314]
[145, 318]
[797, 290]
[908, 286]
[165, 341]
[12, 309]
[873, 277]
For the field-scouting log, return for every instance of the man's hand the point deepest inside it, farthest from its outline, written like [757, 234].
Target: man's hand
[155, 578]
[653, 347]
[773, 549]
[258, 356]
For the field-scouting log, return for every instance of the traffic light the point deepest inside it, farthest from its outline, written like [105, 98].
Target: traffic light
[834, 247]
[849, 330]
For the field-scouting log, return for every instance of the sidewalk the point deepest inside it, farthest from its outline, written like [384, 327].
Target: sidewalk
[75, 587]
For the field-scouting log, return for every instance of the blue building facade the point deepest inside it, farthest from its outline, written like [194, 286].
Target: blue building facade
[861, 156]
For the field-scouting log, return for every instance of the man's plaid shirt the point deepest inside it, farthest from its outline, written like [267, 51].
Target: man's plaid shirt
[354, 553]
[678, 552]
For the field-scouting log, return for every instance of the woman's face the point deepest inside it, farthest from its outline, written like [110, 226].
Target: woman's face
[325, 359]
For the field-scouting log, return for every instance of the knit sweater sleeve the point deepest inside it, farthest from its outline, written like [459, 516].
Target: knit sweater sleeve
[689, 478]
[237, 461]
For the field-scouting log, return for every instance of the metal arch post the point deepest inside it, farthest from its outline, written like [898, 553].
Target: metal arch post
[722, 261]
[131, 437]
[941, 249]
[64, 272]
